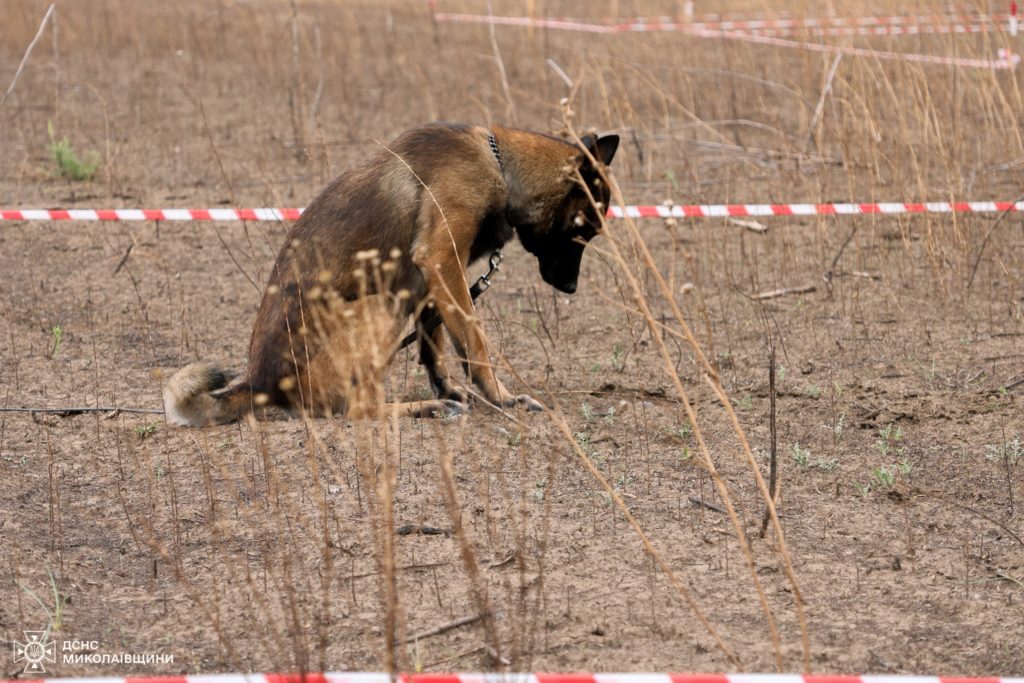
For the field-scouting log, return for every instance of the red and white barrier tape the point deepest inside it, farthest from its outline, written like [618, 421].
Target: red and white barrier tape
[1005, 60]
[886, 25]
[842, 31]
[897, 22]
[835, 209]
[525, 678]
[767, 35]
[149, 214]
[902, 25]
[558, 24]
[633, 211]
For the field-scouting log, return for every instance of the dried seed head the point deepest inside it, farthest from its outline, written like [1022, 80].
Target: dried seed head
[324, 277]
[286, 384]
[314, 293]
[260, 399]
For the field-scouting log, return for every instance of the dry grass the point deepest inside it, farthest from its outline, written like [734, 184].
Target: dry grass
[272, 545]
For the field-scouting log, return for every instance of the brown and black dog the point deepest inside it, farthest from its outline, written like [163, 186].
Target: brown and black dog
[388, 239]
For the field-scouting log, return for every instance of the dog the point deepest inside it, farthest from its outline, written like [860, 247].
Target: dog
[391, 239]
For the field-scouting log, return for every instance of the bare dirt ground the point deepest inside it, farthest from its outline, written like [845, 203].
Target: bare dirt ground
[272, 546]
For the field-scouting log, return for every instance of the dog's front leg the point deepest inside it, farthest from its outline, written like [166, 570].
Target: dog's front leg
[447, 286]
[432, 359]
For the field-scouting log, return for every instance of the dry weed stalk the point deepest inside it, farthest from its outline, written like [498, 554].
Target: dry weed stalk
[477, 582]
[510, 108]
[28, 51]
[356, 352]
[559, 420]
[639, 245]
[150, 539]
[297, 93]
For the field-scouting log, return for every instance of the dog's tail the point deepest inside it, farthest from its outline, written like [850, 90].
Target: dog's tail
[200, 394]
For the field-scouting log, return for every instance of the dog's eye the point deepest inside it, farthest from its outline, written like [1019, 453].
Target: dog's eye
[580, 220]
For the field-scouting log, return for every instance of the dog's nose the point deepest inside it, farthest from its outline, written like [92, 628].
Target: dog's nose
[569, 288]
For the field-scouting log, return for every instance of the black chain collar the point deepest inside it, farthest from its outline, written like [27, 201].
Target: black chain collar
[497, 152]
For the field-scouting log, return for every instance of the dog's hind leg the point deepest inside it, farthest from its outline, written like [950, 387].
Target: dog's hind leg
[329, 393]
[433, 408]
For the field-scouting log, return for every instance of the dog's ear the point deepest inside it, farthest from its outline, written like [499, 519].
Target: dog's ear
[603, 148]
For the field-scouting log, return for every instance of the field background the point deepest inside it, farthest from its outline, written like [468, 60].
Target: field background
[270, 546]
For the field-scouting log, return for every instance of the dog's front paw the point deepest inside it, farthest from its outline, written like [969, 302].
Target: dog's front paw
[532, 404]
[503, 398]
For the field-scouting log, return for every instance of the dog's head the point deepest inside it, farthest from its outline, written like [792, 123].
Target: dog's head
[572, 220]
